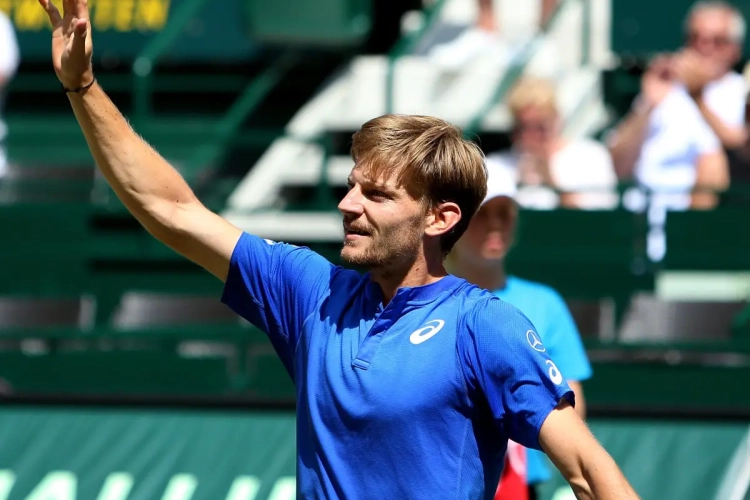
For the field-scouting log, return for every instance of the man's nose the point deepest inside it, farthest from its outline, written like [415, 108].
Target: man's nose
[351, 204]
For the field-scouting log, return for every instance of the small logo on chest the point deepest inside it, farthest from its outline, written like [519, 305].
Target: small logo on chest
[428, 331]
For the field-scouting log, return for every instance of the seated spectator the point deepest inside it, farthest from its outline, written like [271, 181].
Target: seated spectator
[484, 35]
[690, 108]
[9, 58]
[551, 170]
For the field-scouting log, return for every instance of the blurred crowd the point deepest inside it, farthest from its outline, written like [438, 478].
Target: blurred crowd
[674, 146]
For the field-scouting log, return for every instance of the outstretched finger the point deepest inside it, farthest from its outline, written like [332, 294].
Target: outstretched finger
[80, 31]
[69, 7]
[52, 12]
[81, 9]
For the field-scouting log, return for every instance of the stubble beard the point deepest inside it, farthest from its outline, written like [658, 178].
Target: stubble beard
[383, 251]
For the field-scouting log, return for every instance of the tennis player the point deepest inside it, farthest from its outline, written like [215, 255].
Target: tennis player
[409, 381]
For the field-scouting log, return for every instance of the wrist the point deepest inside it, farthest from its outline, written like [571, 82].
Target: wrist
[79, 90]
[697, 96]
[642, 106]
[79, 85]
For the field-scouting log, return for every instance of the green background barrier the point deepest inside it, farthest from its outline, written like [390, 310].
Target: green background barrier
[123, 28]
[53, 453]
[100, 454]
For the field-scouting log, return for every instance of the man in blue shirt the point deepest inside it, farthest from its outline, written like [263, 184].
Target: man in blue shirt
[409, 381]
[479, 257]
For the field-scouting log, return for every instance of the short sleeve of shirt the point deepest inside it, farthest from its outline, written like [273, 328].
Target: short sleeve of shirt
[9, 53]
[506, 362]
[727, 97]
[563, 341]
[276, 287]
[705, 139]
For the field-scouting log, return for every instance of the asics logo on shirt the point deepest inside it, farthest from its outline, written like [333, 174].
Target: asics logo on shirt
[426, 332]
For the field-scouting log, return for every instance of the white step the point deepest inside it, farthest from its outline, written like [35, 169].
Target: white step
[290, 226]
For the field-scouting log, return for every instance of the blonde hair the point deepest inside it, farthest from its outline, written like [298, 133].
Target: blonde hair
[430, 158]
[532, 92]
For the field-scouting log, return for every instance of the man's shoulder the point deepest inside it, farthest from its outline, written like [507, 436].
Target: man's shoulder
[481, 308]
[729, 90]
[732, 80]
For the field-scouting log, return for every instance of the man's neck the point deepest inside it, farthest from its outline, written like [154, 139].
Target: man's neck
[490, 277]
[420, 273]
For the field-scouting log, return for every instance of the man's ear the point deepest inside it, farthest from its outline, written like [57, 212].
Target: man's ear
[442, 218]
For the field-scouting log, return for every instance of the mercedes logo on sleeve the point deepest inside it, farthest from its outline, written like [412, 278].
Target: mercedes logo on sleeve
[534, 341]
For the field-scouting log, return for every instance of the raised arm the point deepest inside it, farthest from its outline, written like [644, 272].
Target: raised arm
[626, 142]
[151, 189]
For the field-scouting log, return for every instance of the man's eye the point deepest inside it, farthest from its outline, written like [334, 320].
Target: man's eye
[377, 194]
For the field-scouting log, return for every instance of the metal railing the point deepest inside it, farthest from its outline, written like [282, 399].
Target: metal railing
[145, 64]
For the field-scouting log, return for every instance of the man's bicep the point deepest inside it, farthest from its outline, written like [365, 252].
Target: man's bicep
[203, 237]
[564, 438]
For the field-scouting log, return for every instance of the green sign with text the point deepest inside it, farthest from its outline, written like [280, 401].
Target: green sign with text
[123, 28]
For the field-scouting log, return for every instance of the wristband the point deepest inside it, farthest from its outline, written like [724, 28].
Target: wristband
[79, 89]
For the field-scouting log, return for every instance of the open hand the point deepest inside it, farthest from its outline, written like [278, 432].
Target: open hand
[71, 42]
[658, 80]
[696, 71]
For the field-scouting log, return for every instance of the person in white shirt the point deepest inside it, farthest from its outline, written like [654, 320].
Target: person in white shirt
[9, 60]
[483, 36]
[551, 170]
[691, 107]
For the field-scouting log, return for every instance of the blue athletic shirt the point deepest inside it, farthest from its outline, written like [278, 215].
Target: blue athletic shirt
[559, 333]
[413, 400]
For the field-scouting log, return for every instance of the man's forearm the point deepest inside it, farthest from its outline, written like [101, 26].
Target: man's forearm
[605, 481]
[148, 186]
[625, 146]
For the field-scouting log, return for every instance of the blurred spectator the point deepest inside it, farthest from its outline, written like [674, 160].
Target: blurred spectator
[691, 107]
[483, 36]
[551, 170]
[9, 59]
[739, 158]
[479, 258]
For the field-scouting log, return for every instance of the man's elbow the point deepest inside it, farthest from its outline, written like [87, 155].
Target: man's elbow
[735, 139]
[168, 220]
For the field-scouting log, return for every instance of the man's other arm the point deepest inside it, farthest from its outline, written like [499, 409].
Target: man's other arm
[582, 461]
[152, 190]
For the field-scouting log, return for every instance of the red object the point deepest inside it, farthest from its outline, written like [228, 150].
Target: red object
[512, 484]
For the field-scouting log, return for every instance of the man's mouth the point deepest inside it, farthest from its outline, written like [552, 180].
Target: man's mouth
[353, 231]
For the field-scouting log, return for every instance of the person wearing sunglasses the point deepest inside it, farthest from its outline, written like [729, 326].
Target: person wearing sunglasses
[691, 107]
[690, 110]
[552, 170]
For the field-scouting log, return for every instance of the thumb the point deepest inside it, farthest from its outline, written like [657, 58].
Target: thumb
[80, 32]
